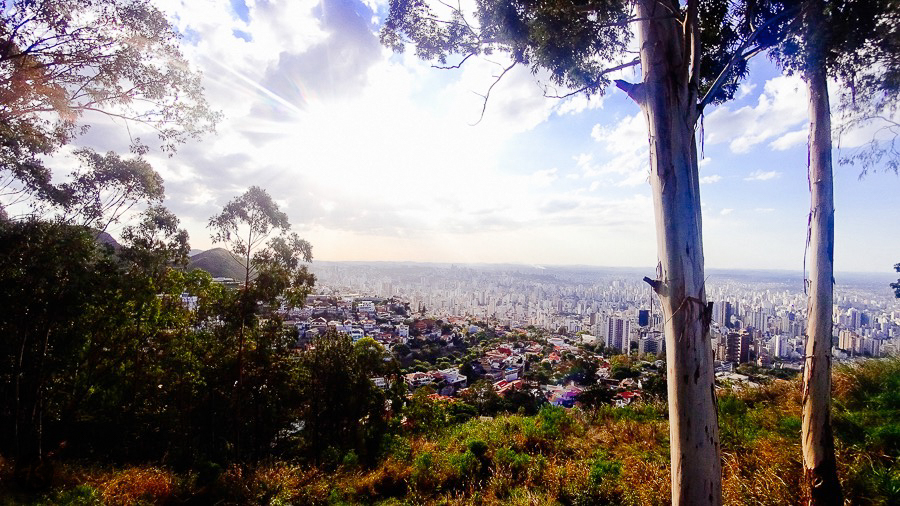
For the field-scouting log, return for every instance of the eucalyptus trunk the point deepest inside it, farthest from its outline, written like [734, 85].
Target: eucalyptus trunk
[668, 97]
[819, 466]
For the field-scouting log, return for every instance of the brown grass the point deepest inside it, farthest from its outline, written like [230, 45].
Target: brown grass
[137, 485]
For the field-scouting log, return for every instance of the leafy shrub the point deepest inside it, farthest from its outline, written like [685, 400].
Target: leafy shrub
[466, 466]
[604, 469]
[396, 446]
[516, 463]
[350, 460]
[81, 495]
[548, 428]
[478, 448]
[460, 412]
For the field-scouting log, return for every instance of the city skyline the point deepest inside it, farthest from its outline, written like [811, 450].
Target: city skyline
[372, 154]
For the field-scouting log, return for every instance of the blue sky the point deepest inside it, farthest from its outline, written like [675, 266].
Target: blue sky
[373, 157]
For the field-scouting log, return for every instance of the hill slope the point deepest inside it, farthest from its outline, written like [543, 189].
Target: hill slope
[219, 263]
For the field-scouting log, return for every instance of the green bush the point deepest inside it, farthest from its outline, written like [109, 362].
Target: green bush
[350, 460]
[396, 446]
[604, 469]
[82, 495]
[466, 466]
[517, 463]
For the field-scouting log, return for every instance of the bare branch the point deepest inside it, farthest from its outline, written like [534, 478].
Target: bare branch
[596, 81]
[458, 65]
[487, 95]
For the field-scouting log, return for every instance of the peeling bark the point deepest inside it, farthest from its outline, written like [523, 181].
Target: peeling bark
[668, 98]
[820, 468]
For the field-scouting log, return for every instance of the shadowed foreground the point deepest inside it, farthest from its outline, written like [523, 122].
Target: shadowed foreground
[602, 456]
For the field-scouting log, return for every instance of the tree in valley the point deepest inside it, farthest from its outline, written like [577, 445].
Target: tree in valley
[65, 61]
[341, 407]
[257, 232]
[53, 275]
[691, 55]
[896, 286]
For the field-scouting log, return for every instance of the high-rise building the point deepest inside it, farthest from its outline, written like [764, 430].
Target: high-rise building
[722, 312]
[643, 317]
[617, 333]
[737, 347]
[652, 343]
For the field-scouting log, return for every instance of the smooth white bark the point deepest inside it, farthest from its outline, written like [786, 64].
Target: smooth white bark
[668, 99]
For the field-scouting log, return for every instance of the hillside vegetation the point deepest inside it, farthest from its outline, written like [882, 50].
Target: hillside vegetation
[603, 456]
[219, 263]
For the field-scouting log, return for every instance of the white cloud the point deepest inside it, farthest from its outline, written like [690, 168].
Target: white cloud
[759, 175]
[726, 211]
[780, 108]
[543, 178]
[765, 209]
[745, 89]
[579, 103]
[790, 139]
[713, 178]
[626, 142]
[628, 135]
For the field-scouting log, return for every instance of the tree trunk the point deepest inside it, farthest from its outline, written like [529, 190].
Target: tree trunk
[819, 466]
[668, 98]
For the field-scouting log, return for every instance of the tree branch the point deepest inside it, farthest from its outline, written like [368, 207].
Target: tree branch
[596, 81]
[739, 54]
[458, 65]
[487, 95]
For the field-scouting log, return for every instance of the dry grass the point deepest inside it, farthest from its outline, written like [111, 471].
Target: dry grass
[559, 457]
[137, 485]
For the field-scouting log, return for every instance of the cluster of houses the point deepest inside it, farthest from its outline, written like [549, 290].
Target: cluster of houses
[505, 364]
[383, 321]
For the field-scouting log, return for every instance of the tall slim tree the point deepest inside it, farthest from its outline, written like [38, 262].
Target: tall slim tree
[690, 56]
[271, 264]
[842, 40]
[819, 463]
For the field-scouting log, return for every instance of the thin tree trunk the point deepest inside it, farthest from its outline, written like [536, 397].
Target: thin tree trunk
[668, 98]
[240, 358]
[820, 469]
[17, 437]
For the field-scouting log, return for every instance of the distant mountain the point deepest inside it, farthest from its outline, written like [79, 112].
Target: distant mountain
[219, 263]
[104, 238]
[194, 252]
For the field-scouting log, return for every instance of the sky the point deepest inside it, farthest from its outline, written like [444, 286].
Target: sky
[376, 156]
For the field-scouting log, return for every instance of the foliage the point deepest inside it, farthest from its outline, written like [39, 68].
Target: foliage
[613, 456]
[896, 286]
[106, 188]
[858, 47]
[483, 397]
[595, 396]
[62, 59]
[341, 407]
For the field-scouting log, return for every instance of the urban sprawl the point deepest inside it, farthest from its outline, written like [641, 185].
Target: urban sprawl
[555, 332]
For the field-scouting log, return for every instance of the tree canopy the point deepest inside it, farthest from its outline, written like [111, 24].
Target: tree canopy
[580, 44]
[63, 63]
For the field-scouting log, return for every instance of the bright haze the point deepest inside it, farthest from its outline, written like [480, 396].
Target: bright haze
[374, 157]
